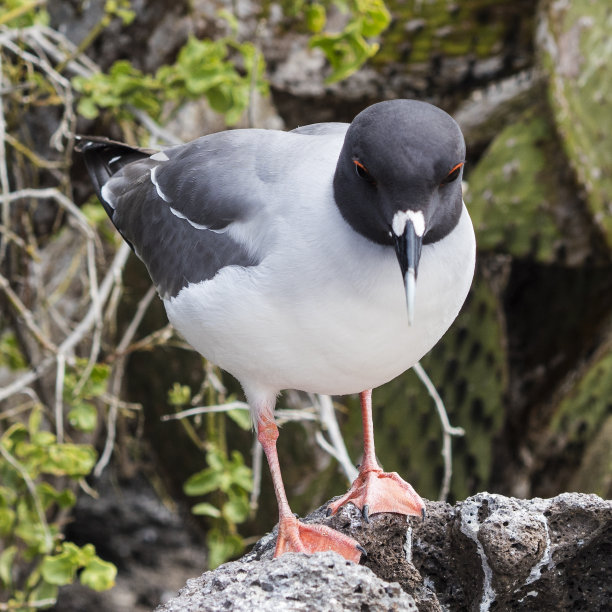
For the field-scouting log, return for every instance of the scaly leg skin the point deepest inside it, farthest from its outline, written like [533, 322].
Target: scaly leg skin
[374, 490]
[294, 536]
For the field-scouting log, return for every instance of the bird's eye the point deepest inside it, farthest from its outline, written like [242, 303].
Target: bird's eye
[362, 172]
[453, 175]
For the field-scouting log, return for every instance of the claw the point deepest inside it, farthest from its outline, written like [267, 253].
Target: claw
[362, 550]
[365, 512]
[423, 514]
[329, 511]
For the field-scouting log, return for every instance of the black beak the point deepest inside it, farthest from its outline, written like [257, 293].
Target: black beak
[408, 250]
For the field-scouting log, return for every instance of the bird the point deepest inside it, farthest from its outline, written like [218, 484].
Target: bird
[328, 259]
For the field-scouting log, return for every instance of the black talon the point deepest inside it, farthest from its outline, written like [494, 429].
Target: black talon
[329, 511]
[365, 512]
[297, 516]
[423, 513]
[362, 550]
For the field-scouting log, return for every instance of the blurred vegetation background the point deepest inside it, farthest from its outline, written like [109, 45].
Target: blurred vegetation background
[100, 483]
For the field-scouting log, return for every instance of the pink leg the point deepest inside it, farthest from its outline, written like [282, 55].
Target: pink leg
[374, 490]
[294, 536]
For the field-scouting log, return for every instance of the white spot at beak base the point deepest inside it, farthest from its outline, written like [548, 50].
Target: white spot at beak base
[401, 217]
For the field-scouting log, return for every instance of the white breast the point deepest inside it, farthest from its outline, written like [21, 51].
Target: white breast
[325, 311]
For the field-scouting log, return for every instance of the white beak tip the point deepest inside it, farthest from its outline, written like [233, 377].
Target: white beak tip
[410, 282]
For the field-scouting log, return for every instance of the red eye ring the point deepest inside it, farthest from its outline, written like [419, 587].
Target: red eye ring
[363, 172]
[453, 174]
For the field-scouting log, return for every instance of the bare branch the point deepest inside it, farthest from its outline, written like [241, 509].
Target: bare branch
[204, 410]
[117, 379]
[447, 430]
[337, 448]
[26, 316]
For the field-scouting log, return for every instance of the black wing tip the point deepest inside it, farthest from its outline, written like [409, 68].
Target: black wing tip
[104, 157]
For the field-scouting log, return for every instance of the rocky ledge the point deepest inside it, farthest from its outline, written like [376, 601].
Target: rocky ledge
[488, 552]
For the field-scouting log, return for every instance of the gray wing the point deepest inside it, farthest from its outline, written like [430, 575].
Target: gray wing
[322, 129]
[175, 207]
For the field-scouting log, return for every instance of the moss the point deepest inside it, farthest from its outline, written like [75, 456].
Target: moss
[586, 406]
[511, 196]
[577, 54]
[595, 472]
[452, 29]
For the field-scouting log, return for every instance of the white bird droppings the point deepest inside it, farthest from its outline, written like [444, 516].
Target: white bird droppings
[470, 526]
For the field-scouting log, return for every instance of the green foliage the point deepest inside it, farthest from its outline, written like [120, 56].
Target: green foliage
[23, 13]
[29, 456]
[226, 481]
[121, 9]
[225, 71]
[348, 50]
[10, 355]
[81, 396]
[123, 85]
[202, 68]
[179, 395]
[61, 568]
[231, 480]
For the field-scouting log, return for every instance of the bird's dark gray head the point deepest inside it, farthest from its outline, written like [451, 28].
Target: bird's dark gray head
[398, 178]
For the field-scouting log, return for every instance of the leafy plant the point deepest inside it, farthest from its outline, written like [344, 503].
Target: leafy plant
[31, 459]
[202, 68]
[23, 13]
[349, 49]
[226, 481]
[231, 480]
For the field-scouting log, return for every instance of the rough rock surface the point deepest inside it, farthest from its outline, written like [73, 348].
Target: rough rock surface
[488, 552]
[324, 581]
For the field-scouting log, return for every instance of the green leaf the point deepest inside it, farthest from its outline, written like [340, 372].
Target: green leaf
[216, 460]
[7, 520]
[236, 510]
[42, 438]
[83, 417]
[222, 546]
[87, 108]
[375, 16]
[10, 354]
[7, 496]
[231, 19]
[241, 475]
[242, 418]
[98, 575]
[202, 482]
[49, 495]
[179, 395]
[6, 565]
[205, 509]
[69, 460]
[59, 569]
[34, 421]
[315, 18]
[44, 591]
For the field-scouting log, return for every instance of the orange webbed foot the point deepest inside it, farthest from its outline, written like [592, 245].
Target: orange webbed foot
[376, 491]
[295, 536]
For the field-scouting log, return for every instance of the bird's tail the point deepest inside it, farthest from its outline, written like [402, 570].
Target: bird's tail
[103, 158]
